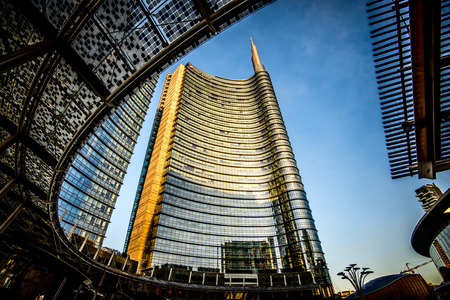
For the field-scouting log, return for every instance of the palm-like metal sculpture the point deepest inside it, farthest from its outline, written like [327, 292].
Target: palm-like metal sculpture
[356, 276]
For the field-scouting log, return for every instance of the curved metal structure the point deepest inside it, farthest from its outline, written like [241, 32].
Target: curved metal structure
[432, 228]
[71, 73]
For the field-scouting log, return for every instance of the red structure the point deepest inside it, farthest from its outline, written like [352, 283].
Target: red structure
[398, 286]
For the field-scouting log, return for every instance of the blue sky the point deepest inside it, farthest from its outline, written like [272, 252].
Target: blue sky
[319, 56]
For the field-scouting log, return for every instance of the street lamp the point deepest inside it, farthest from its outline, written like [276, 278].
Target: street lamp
[356, 276]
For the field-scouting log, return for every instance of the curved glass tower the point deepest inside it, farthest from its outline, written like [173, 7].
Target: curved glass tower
[220, 190]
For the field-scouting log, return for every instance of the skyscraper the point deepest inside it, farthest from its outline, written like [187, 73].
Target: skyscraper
[220, 189]
[428, 195]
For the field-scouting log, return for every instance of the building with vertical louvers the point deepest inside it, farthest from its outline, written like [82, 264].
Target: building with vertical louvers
[222, 191]
[411, 48]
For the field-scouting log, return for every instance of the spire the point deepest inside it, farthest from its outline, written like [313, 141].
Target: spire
[257, 65]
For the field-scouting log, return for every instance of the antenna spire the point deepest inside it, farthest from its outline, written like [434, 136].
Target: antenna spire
[257, 65]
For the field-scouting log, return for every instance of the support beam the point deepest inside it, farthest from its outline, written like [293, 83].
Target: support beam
[7, 187]
[61, 286]
[403, 69]
[11, 140]
[24, 181]
[117, 51]
[8, 125]
[39, 151]
[110, 259]
[425, 57]
[84, 242]
[42, 24]
[202, 7]
[125, 263]
[25, 54]
[138, 269]
[30, 143]
[170, 274]
[11, 217]
[152, 23]
[72, 231]
[83, 70]
[96, 252]
[61, 217]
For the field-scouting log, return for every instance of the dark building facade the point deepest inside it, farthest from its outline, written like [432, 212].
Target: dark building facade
[222, 191]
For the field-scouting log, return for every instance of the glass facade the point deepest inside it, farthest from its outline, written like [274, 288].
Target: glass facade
[222, 191]
[440, 249]
[92, 183]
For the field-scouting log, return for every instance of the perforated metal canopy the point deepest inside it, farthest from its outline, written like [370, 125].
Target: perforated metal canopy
[66, 65]
[66, 68]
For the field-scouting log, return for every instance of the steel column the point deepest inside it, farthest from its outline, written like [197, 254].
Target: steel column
[11, 140]
[203, 9]
[7, 187]
[24, 55]
[125, 263]
[425, 56]
[60, 288]
[11, 217]
[84, 242]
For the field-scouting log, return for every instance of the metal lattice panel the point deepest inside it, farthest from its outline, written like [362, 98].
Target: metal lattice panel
[39, 172]
[14, 87]
[56, 12]
[16, 30]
